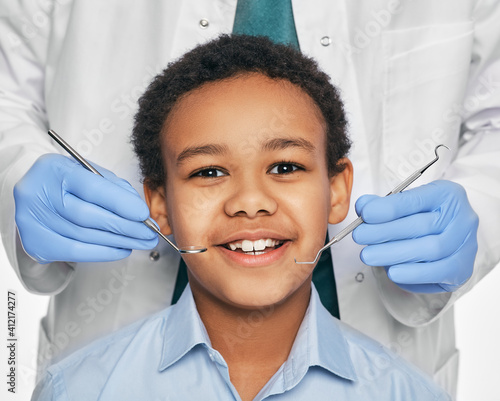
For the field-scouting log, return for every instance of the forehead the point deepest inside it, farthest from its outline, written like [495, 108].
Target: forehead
[241, 111]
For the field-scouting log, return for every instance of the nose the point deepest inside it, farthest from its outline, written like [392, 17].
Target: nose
[251, 199]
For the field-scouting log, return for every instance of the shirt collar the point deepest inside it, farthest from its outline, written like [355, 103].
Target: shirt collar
[327, 345]
[319, 342]
[183, 331]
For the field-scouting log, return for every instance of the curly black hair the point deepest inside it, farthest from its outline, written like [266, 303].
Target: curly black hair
[225, 57]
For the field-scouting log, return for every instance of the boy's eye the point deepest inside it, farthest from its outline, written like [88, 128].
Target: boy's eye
[210, 172]
[284, 168]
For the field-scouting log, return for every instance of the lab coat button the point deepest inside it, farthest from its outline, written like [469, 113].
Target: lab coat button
[360, 277]
[325, 41]
[154, 256]
[203, 23]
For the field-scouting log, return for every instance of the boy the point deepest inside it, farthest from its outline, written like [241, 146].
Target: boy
[242, 145]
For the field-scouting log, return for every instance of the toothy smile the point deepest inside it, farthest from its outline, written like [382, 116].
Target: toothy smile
[257, 247]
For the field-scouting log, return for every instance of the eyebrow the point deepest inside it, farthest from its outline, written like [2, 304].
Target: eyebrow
[285, 143]
[192, 151]
[269, 145]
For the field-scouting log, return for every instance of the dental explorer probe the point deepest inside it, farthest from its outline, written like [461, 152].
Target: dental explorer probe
[359, 220]
[148, 222]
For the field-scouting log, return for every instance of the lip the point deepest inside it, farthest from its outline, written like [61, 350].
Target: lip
[253, 236]
[264, 259]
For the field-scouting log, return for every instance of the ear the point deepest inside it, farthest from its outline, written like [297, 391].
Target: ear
[156, 201]
[340, 192]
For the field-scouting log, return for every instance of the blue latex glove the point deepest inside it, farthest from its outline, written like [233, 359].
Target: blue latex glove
[66, 213]
[425, 237]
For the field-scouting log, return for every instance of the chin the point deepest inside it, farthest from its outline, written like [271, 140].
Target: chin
[258, 296]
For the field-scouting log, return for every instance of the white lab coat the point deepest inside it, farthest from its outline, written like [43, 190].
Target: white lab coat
[410, 73]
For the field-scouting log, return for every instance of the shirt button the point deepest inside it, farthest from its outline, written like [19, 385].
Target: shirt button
[204, 23]
[154, 256]
[360, 277]
[325, 41]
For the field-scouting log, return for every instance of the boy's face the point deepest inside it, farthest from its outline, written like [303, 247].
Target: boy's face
[247, 178]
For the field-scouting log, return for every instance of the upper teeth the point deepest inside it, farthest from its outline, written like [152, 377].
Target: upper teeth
[259, 245]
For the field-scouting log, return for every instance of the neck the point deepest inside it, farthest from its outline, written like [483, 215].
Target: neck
[253, 342]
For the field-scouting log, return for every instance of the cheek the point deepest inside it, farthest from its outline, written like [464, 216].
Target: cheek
[190, 211]
[309, 204]
[296, 275]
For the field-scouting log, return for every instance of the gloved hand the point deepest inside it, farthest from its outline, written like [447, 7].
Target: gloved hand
[425, 237]
[66, 213]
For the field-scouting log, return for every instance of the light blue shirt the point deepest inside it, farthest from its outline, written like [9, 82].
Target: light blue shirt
[169, 357]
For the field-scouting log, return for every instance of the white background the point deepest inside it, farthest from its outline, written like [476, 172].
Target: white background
[478, 336]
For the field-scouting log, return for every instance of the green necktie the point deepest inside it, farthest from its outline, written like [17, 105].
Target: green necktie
[181, 282]
[324, 280]
[274, 19]
[271, 18]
